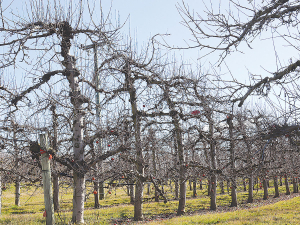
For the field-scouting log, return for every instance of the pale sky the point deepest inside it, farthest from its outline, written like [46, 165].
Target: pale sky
[146, 18]
[149, 17]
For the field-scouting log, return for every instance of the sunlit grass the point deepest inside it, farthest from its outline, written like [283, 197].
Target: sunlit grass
[284, 212]
[116, 205]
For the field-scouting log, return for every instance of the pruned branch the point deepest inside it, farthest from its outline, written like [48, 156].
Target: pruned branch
[277, 76]
[45, 78]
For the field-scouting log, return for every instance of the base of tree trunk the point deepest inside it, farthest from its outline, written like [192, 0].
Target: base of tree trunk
[180, 213]
[250, 200]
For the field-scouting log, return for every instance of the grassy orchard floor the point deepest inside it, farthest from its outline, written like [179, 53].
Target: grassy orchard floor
[282, 212]
[116, 208]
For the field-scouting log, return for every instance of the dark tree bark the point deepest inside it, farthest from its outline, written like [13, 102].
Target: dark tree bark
[154, 148]
[131, 192]
[182, 166]
[250, 189]
[209, 187]
[222, 186]
[266, 193]
[138, 197]
[276, 187]
[232, 162]
[244, 184]
[54, 146]
[96, 194]
[295, 185]
[287, 188]
[228, 186]
[16, 152]
[176, 190]
[56, 192]
[195, 188]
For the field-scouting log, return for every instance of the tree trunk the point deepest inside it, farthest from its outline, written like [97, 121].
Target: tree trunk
[295, 185]
[138, 197]
[233, 195]
[170, 185]
[200, 187]
[244, 184]
[276, 187]
[249, 158]
[56, 192]
[131, 191]
[96, 195]
[222, 186]
[77, 101]
[195, 188]
[101, 190]
[280, 180]
[232, 162]
[78, 197]
[138, 201]
[182, 184]
[148, 189]
[98, 186]
[182, 167]
[287, 188]
[182, 199]
[228, 186]
[213, 193]
[153, 148]
[17, 191]
[156, 196]
[209, 187]
[176, 189]
[266, 193]
[17, 181]
[54, 171]
[250, 190]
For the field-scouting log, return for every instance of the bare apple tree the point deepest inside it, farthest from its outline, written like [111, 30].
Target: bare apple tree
[40, 45]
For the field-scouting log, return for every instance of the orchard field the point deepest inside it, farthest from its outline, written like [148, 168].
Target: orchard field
[118, 132]
[116, 207]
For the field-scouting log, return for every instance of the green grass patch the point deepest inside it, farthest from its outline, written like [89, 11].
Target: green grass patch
[116, 206]
[283, 212]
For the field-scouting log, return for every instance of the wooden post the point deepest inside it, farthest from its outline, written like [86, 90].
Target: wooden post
[47, 185]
